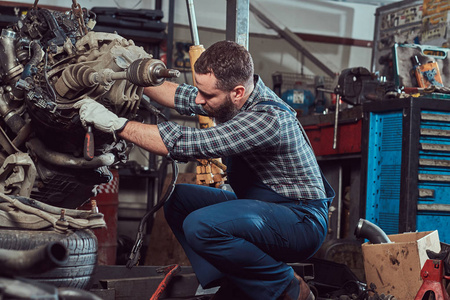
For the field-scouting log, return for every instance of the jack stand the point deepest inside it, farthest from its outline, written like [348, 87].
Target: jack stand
[433, 277]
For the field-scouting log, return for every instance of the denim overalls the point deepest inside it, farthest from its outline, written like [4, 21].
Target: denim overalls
[247, 235]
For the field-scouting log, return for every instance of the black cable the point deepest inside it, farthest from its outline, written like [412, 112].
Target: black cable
[133, 258]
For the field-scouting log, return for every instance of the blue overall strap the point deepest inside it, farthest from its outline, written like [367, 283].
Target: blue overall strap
[284, 107]
[278, 104]
[328, 189]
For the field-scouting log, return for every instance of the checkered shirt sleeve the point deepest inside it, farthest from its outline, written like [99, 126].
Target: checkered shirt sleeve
[248, 131]
[185, 101]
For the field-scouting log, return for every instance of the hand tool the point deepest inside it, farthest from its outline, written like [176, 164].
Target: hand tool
[88, 150]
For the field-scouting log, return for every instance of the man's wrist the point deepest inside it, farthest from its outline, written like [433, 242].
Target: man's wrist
[125, 122]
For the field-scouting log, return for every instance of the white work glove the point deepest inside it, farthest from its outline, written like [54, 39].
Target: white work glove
[93, 113]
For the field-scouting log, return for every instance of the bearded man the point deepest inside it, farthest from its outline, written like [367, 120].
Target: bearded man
[278, 210]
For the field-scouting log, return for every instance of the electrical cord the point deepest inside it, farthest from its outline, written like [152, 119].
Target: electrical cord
[133, 258]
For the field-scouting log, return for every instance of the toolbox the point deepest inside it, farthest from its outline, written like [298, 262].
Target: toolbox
[406, 165]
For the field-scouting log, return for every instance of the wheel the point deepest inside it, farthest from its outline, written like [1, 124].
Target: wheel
[82, 247]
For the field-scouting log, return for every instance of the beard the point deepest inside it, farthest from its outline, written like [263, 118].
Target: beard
[224, 112]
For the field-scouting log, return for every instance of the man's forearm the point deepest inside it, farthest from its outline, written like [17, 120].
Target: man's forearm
[164, 94]
[145, 136]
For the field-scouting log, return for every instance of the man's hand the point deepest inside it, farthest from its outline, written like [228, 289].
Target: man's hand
[93, 113]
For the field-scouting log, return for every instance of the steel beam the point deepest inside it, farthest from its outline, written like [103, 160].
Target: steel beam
[237, 26]
[292, 39]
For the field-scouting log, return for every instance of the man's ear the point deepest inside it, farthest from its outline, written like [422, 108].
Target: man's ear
[238, 93]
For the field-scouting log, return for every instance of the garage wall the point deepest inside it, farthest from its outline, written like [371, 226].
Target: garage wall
[320, 18]
[270, 54]
[348, 21]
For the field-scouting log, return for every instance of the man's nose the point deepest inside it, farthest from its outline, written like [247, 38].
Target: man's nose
[199, 100]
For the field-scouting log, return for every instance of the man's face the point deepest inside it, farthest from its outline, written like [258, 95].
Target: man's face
[216, 102]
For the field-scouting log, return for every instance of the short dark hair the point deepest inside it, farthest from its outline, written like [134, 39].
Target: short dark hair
[230, 63]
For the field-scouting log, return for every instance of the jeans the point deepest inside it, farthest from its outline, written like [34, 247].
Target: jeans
[248, 241]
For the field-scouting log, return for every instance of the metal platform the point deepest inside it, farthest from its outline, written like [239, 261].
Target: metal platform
[141, 282]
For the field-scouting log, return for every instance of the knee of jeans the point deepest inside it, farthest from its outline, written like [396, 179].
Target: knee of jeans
[196, 231]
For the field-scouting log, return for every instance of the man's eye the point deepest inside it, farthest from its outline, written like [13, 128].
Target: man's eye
[205, 96]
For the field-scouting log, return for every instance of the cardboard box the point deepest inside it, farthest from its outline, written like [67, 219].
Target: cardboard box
[395, 267]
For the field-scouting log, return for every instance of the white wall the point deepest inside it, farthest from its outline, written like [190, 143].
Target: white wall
[328, 18]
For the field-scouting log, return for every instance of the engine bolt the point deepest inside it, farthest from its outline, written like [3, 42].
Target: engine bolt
[62, 217]
[94, 208]
[61, 225]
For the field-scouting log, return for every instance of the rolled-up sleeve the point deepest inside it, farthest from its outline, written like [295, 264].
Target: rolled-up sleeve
[244, 133]
[185, 95]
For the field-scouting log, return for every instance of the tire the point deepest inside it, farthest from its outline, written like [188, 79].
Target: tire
[82, 247]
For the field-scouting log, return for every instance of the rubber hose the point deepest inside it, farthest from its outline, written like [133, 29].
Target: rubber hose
[34, 60]
[36, 261]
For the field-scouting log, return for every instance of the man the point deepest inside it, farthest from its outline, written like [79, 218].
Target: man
[279, 208]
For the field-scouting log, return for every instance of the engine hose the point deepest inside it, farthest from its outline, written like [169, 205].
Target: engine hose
[8, 62]
[34, 60]
[36, 261]
[69, 161]
[135, 255]
[76, 213]
[370, 231]
[15, 122]
[60, 221]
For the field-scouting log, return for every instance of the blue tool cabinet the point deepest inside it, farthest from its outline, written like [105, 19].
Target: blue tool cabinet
[405, 184]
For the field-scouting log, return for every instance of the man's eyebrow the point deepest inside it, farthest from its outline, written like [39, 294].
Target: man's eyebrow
[204, 93]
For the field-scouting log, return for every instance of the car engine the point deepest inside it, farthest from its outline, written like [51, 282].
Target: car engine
[50, 60]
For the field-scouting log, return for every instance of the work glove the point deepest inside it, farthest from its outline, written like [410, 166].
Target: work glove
[93, 113]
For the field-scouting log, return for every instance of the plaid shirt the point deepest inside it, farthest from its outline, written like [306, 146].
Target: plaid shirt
[267, 137]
